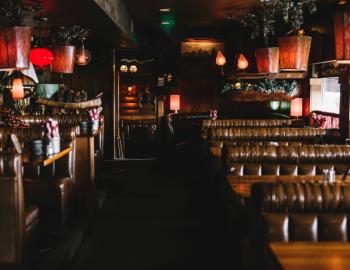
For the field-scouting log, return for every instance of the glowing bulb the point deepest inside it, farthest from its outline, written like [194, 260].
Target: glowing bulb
[124, 68]
[83, 57]
[242, 62]
[133, 69]
[220, 59]
[17, 89]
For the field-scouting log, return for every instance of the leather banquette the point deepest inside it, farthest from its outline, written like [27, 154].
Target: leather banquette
[303, 211]
[48, 187]
[245, 123]
[19, 221]
[285, 160]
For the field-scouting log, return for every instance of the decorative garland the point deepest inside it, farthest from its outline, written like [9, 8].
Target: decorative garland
[267, 86]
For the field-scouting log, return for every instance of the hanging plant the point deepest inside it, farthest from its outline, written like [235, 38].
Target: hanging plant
[14, 11]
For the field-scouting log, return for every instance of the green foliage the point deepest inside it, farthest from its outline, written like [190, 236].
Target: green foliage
[14, 11]
[68, 35]
[266, 86]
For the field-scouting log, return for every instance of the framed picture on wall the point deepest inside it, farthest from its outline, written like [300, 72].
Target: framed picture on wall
[198, 55]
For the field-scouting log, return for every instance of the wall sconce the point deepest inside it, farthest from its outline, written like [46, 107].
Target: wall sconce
[17, 86]
[133, 69]
[242, 62]
[296, 107]
[221, 61]
[274, 105]
[175, 103]
[124, 68]
[83, 56]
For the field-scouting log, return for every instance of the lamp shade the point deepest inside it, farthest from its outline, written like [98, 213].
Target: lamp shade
[41, 57]
[174, 102]
[296, 107]
[242, 62]
[342, 35]
[64, 57]
[15, 47]
[220, 59]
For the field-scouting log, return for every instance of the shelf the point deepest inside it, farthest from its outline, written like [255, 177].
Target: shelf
[283, 75]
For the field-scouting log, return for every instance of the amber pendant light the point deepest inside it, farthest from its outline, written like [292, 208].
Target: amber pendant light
[83, 56]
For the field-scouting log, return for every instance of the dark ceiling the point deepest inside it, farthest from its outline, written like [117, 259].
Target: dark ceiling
[193, 16]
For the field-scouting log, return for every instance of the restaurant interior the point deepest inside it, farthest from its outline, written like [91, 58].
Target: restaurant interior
[187, 134]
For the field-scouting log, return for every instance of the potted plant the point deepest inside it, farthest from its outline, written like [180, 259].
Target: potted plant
[15, 39]
[261, 21]
[64, 51]
[295, 48]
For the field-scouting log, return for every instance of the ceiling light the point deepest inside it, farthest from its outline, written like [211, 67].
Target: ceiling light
[165, 23]
[342, 2]
[164, 9]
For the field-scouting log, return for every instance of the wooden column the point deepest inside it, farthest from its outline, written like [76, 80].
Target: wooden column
[344, 100]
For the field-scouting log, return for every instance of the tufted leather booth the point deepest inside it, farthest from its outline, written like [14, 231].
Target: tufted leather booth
[245, 123]
[48, 187]
[225, 123]
[285, 160]
[265, 134]
[18, 221]
[303, 211]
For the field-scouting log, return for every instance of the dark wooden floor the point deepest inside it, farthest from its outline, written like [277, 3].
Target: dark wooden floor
[162, 214]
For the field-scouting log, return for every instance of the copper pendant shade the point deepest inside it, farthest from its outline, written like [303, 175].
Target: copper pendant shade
[15, 47]
[267, 59]
[64, 57]
[342, 35]
[294, 52]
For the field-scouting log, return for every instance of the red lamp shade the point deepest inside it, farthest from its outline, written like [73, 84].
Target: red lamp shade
[296, 107]
[174, 102]
[64, 57]
[242, 62]
[342, 35]
[15, 47]
[220, 59]
[41, 57]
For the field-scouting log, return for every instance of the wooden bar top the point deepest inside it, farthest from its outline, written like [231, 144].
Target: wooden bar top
[45, 160]
[309, 256]
[243, 184]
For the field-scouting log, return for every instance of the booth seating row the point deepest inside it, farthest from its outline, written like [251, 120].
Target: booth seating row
[246, 123]
[217, 137]
[297, 211]
[19, 220]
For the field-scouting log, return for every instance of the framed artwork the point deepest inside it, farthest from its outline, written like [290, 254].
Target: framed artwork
[198, 56]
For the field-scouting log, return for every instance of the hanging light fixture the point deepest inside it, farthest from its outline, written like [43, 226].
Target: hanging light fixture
[41, 57]
[83, 56]
[242, 63]
[133, 68]
[17, 86]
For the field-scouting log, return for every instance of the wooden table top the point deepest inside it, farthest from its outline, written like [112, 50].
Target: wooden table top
[45, 160]
[243, 184]
[309, 256]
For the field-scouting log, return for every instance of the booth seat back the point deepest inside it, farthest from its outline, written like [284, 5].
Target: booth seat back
[303, 211]
[12, 219]
[285, 160]
[64, 167]
[265, 134]
[66, 120]
[227, 123]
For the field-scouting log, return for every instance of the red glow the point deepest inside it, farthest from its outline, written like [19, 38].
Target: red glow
[174, 102]
[41, 57]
